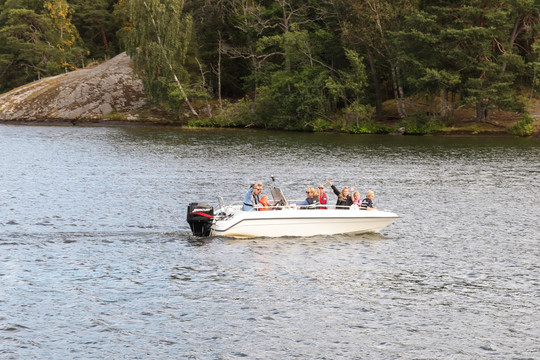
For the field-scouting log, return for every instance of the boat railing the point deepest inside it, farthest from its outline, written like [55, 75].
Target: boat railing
[291, 205]
[294, 205]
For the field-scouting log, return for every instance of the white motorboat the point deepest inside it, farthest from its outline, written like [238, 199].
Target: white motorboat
[284, 219]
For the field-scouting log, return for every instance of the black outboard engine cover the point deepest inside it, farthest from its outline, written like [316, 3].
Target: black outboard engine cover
[200, 217]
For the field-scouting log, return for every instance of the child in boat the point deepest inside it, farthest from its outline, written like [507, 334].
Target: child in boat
[263, 203]
[367, 203]
[356, 199]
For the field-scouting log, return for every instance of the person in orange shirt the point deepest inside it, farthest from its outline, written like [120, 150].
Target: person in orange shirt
[263, 203]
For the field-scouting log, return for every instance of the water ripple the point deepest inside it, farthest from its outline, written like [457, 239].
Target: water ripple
[98, 262]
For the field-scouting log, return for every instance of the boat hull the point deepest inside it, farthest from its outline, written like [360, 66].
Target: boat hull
[249, 224]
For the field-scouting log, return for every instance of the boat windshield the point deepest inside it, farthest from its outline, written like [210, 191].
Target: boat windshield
[279, 198]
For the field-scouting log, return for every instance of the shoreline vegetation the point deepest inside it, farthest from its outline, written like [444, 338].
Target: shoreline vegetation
[359, 67]
[501, 124]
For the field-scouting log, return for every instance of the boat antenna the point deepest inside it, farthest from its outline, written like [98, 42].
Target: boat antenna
[273, 181]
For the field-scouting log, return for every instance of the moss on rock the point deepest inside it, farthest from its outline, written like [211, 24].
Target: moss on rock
[81, 94]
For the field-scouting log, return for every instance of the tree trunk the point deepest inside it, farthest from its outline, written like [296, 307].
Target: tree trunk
[533, 83]
[399, 101]
[445, 108]
[203, 78]
[256, 65]
[482, 112]
[180, 87]
[513, 37]
[376, 84]
[105, 42]
[400, 91]
[220, 50]
[182, 91]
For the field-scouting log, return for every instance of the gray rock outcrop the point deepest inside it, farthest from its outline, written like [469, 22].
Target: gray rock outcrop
[81, 94]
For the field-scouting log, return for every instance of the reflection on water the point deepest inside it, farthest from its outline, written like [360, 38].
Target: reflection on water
[97, 260]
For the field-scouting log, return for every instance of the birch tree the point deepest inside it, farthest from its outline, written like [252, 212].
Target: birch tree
[65, 33]
[158, 43]
[366, 27]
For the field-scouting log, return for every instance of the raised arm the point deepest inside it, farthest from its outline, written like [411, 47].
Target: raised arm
[335, 189]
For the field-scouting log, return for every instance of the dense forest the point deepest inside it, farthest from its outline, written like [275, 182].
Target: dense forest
[292, 64]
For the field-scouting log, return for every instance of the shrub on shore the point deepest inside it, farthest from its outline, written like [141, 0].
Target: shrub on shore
[523, 127]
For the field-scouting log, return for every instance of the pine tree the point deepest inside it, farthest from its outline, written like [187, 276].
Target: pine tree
[25, 51]
[97, 27]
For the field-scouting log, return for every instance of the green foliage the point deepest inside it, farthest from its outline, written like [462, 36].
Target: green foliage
[35, 41]
[157, 44]
[360, 119]
[523, 127]
[40, 38]
[64, 35]
[419, 124]
[463, 48]
[115, 116]
[370, 127]
[297, 97]
[239, 114]
[321, 125]
[351, 83]
[304, 89]
[295, 64]
[175, 99]
[24, 52]
[97, 26]
[535, 65]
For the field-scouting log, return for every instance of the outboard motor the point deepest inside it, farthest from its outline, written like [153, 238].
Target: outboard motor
[200, 217]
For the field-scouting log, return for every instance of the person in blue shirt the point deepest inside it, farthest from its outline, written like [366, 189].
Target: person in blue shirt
[252, 196]
[311, 198]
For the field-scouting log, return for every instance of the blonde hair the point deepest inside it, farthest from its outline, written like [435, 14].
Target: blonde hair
[311, 190]
[341, 196]
[369, 193]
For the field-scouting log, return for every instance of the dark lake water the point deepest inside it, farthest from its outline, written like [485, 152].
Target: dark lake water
[97, 261]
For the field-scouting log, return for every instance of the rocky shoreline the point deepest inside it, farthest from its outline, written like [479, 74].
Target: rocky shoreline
[90, 122]
[91, 93]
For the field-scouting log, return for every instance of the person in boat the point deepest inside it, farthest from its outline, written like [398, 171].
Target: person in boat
[367, 203]
[311, 198]
[323, 199]
[344, 197]
[252, 196]
[264, 204]
[356, 199]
